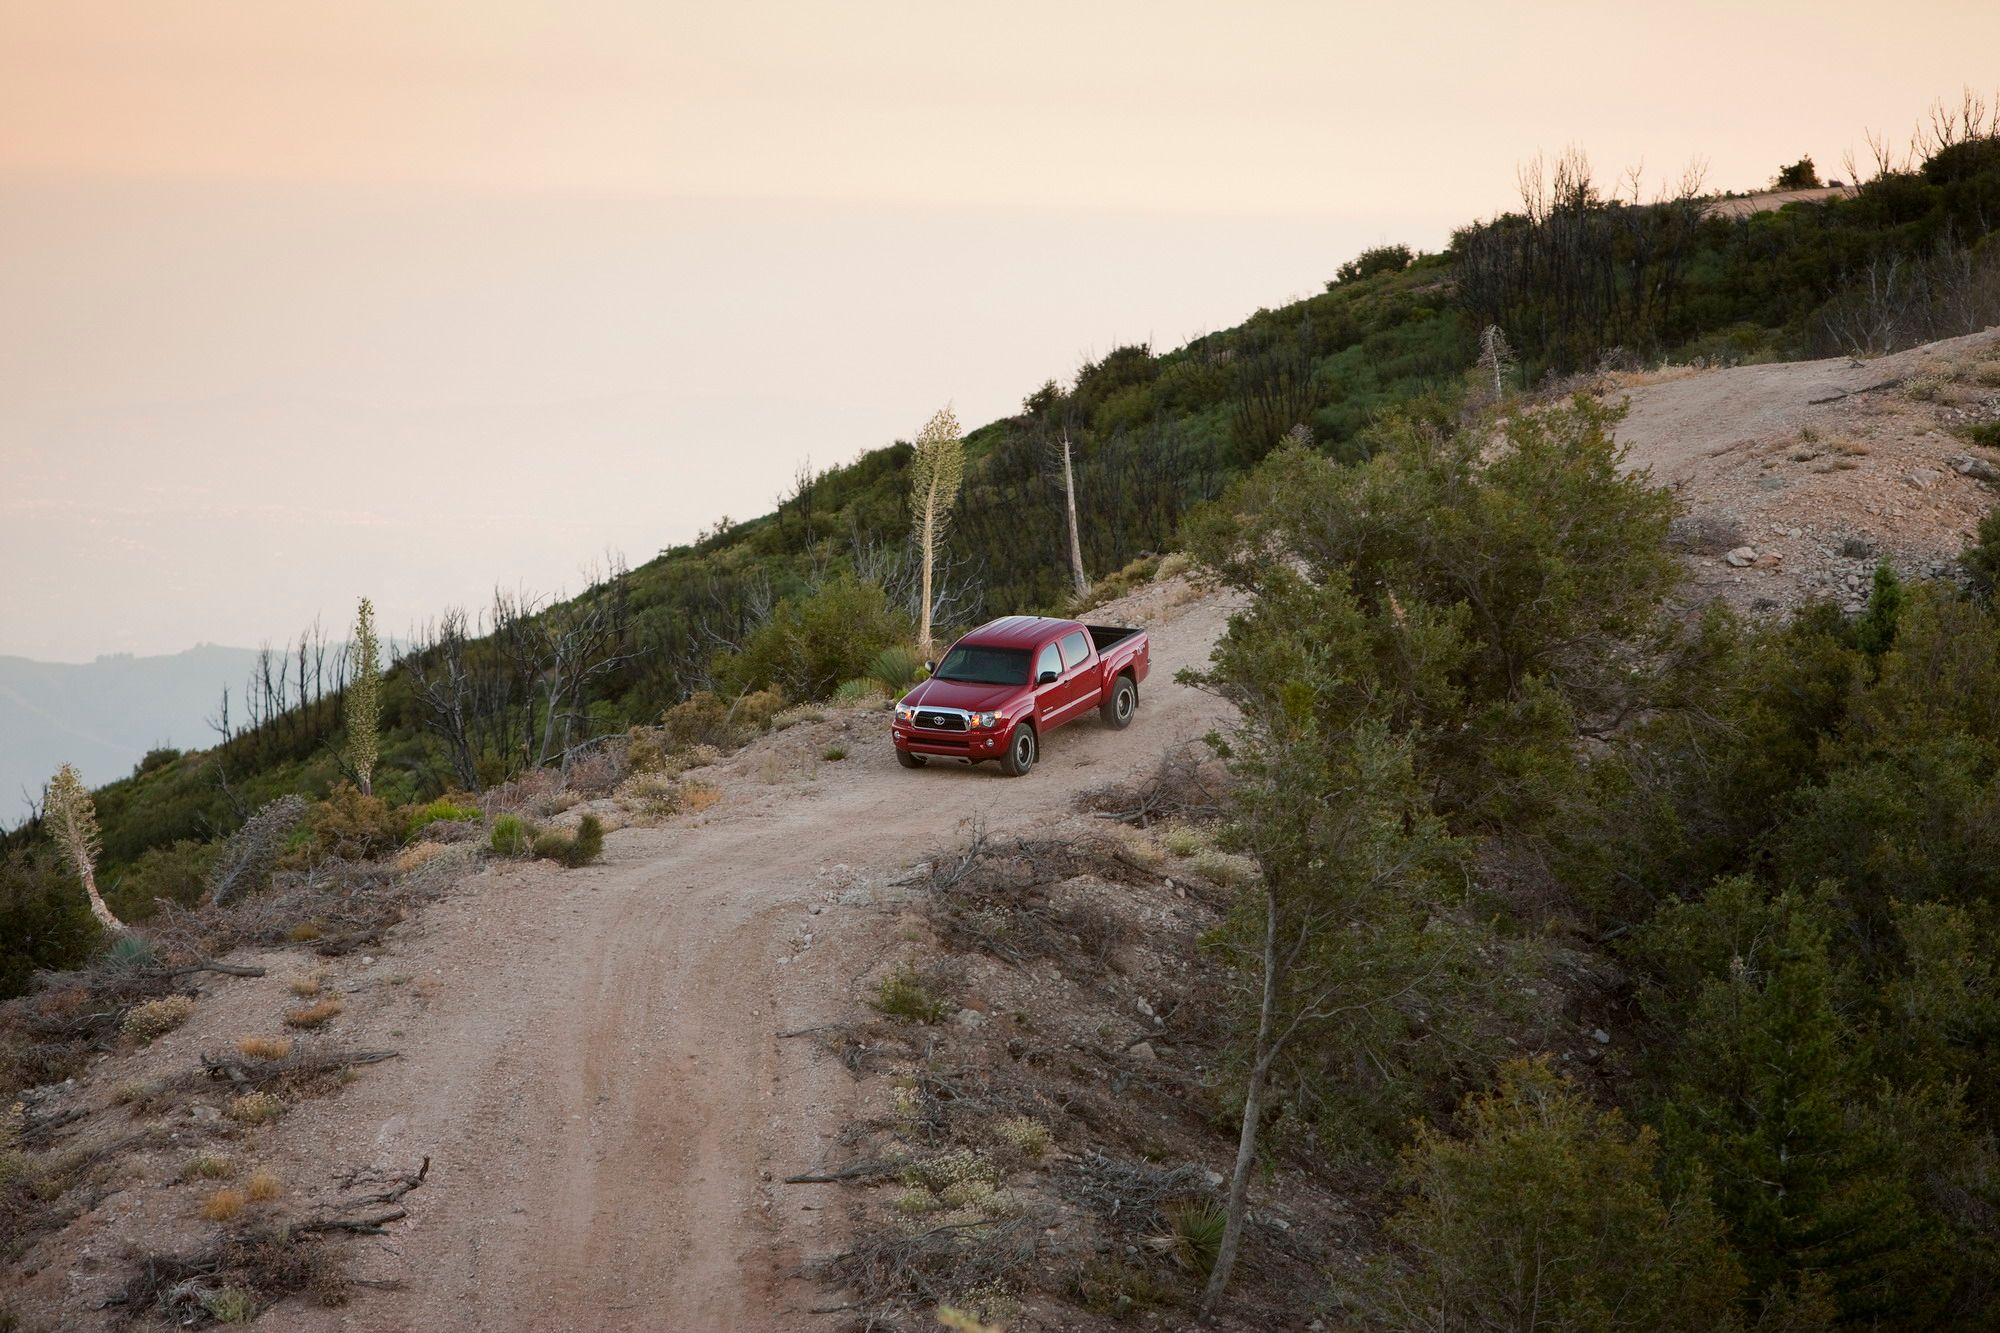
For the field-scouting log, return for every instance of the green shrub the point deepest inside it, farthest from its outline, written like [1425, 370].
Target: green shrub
[854, 693]
[416, 819]
[1982, 559]
[1550, 1206]
[177, 873]
[896, 668]
[1377, 259]
[906, 994]
[1194, 1228]
[812, 643]
[700, 719]
[572, 850]
[834, 753]
[44, 921]
[510, 836]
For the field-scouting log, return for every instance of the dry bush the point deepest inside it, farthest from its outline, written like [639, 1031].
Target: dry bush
[224, 1282]
[1709, 533]
[314, 1015]
[263, 1186]
[155, 1018]
[699, 796]
[996, 896]
[1228, 869]
[255, 1108]
[209, 1166]
[797, 714]
[1187, 783]
[418, 854]
[265, 1048]
[350, 826]
[305, 985]
[1172, 566]
[225, 1205]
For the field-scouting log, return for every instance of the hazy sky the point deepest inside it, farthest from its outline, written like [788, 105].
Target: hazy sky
[303, 300]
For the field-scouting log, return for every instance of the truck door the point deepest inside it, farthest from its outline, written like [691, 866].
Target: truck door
[1049, 695]
[1081, 686]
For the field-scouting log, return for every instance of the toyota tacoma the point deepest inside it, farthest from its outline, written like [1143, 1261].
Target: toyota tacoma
[1005, 686]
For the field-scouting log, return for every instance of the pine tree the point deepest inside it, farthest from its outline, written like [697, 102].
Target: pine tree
[936, 473]
[364, 700]
[72, 819]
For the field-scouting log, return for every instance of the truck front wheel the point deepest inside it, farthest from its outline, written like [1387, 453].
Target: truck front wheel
[1022, 749]
[908, 760]
[1119, 705]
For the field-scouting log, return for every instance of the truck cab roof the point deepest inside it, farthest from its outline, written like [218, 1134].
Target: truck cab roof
[1020, 631]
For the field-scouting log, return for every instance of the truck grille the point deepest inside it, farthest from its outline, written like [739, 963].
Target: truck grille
[940, 721]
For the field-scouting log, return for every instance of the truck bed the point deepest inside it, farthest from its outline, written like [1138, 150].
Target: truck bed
[1105, 637]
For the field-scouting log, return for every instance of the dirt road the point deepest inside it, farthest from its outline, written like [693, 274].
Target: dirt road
[591, 1059]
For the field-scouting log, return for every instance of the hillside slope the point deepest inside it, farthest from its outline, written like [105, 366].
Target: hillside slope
[590, 1060]
[1818, 469]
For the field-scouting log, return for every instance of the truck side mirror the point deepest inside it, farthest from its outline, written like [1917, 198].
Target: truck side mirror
[1046, 678]
[930, 667]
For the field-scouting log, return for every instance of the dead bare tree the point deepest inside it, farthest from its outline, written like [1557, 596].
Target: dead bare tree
[1078, 580]
[441, 678]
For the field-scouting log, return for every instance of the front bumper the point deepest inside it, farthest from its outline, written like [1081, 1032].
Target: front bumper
[986, 743]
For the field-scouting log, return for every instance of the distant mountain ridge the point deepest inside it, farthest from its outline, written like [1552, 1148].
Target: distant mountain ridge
[103, 716]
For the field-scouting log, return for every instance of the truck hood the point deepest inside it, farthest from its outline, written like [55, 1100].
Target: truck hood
[962, 694]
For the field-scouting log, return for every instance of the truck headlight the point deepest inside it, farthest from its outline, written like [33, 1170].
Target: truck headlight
[904, 712]
[984, 719]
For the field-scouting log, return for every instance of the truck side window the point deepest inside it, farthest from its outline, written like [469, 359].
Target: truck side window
[1075, 647]
[1049, 660]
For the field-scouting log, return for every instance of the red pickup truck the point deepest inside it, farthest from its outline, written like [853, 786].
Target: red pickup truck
[1006, 685]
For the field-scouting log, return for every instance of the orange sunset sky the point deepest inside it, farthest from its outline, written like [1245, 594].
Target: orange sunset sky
[307, 300]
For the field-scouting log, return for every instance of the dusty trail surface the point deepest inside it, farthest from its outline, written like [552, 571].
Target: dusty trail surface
[591, 1059]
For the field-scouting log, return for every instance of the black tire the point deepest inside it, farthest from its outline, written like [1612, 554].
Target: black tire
[1120, 704]
[1023, 748]
[908, 760]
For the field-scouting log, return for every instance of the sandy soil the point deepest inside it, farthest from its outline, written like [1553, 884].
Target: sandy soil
[1743, 205]
[591, 1059]
[1819, 468]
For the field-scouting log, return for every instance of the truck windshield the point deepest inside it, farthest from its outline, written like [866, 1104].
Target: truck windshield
[984, 666]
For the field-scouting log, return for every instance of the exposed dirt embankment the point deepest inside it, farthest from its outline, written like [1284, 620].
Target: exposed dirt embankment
[590, 1059]
[1797, 477]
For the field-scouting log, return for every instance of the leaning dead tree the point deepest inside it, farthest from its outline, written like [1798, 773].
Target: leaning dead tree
[251, 852]
[72, 820]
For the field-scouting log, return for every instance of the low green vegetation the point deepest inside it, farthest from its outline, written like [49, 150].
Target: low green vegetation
[574, 849]
[1476, 725]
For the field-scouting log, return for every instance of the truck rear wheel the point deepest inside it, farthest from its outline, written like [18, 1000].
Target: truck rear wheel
[1120, 704]
[1022, 750]
[908, 760]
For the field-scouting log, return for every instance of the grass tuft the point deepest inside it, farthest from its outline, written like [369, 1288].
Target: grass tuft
[264, 1185]
[265, 1048]
[314, 1015]
[225, 1205]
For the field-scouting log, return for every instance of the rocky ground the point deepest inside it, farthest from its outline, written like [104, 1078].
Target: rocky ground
[1798, 477]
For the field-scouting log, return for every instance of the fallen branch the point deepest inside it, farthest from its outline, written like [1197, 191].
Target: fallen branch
[853, 1172]
[359, 1226]
[226, 969]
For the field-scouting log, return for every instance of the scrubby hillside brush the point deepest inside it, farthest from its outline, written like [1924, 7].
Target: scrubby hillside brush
[1478, 729]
